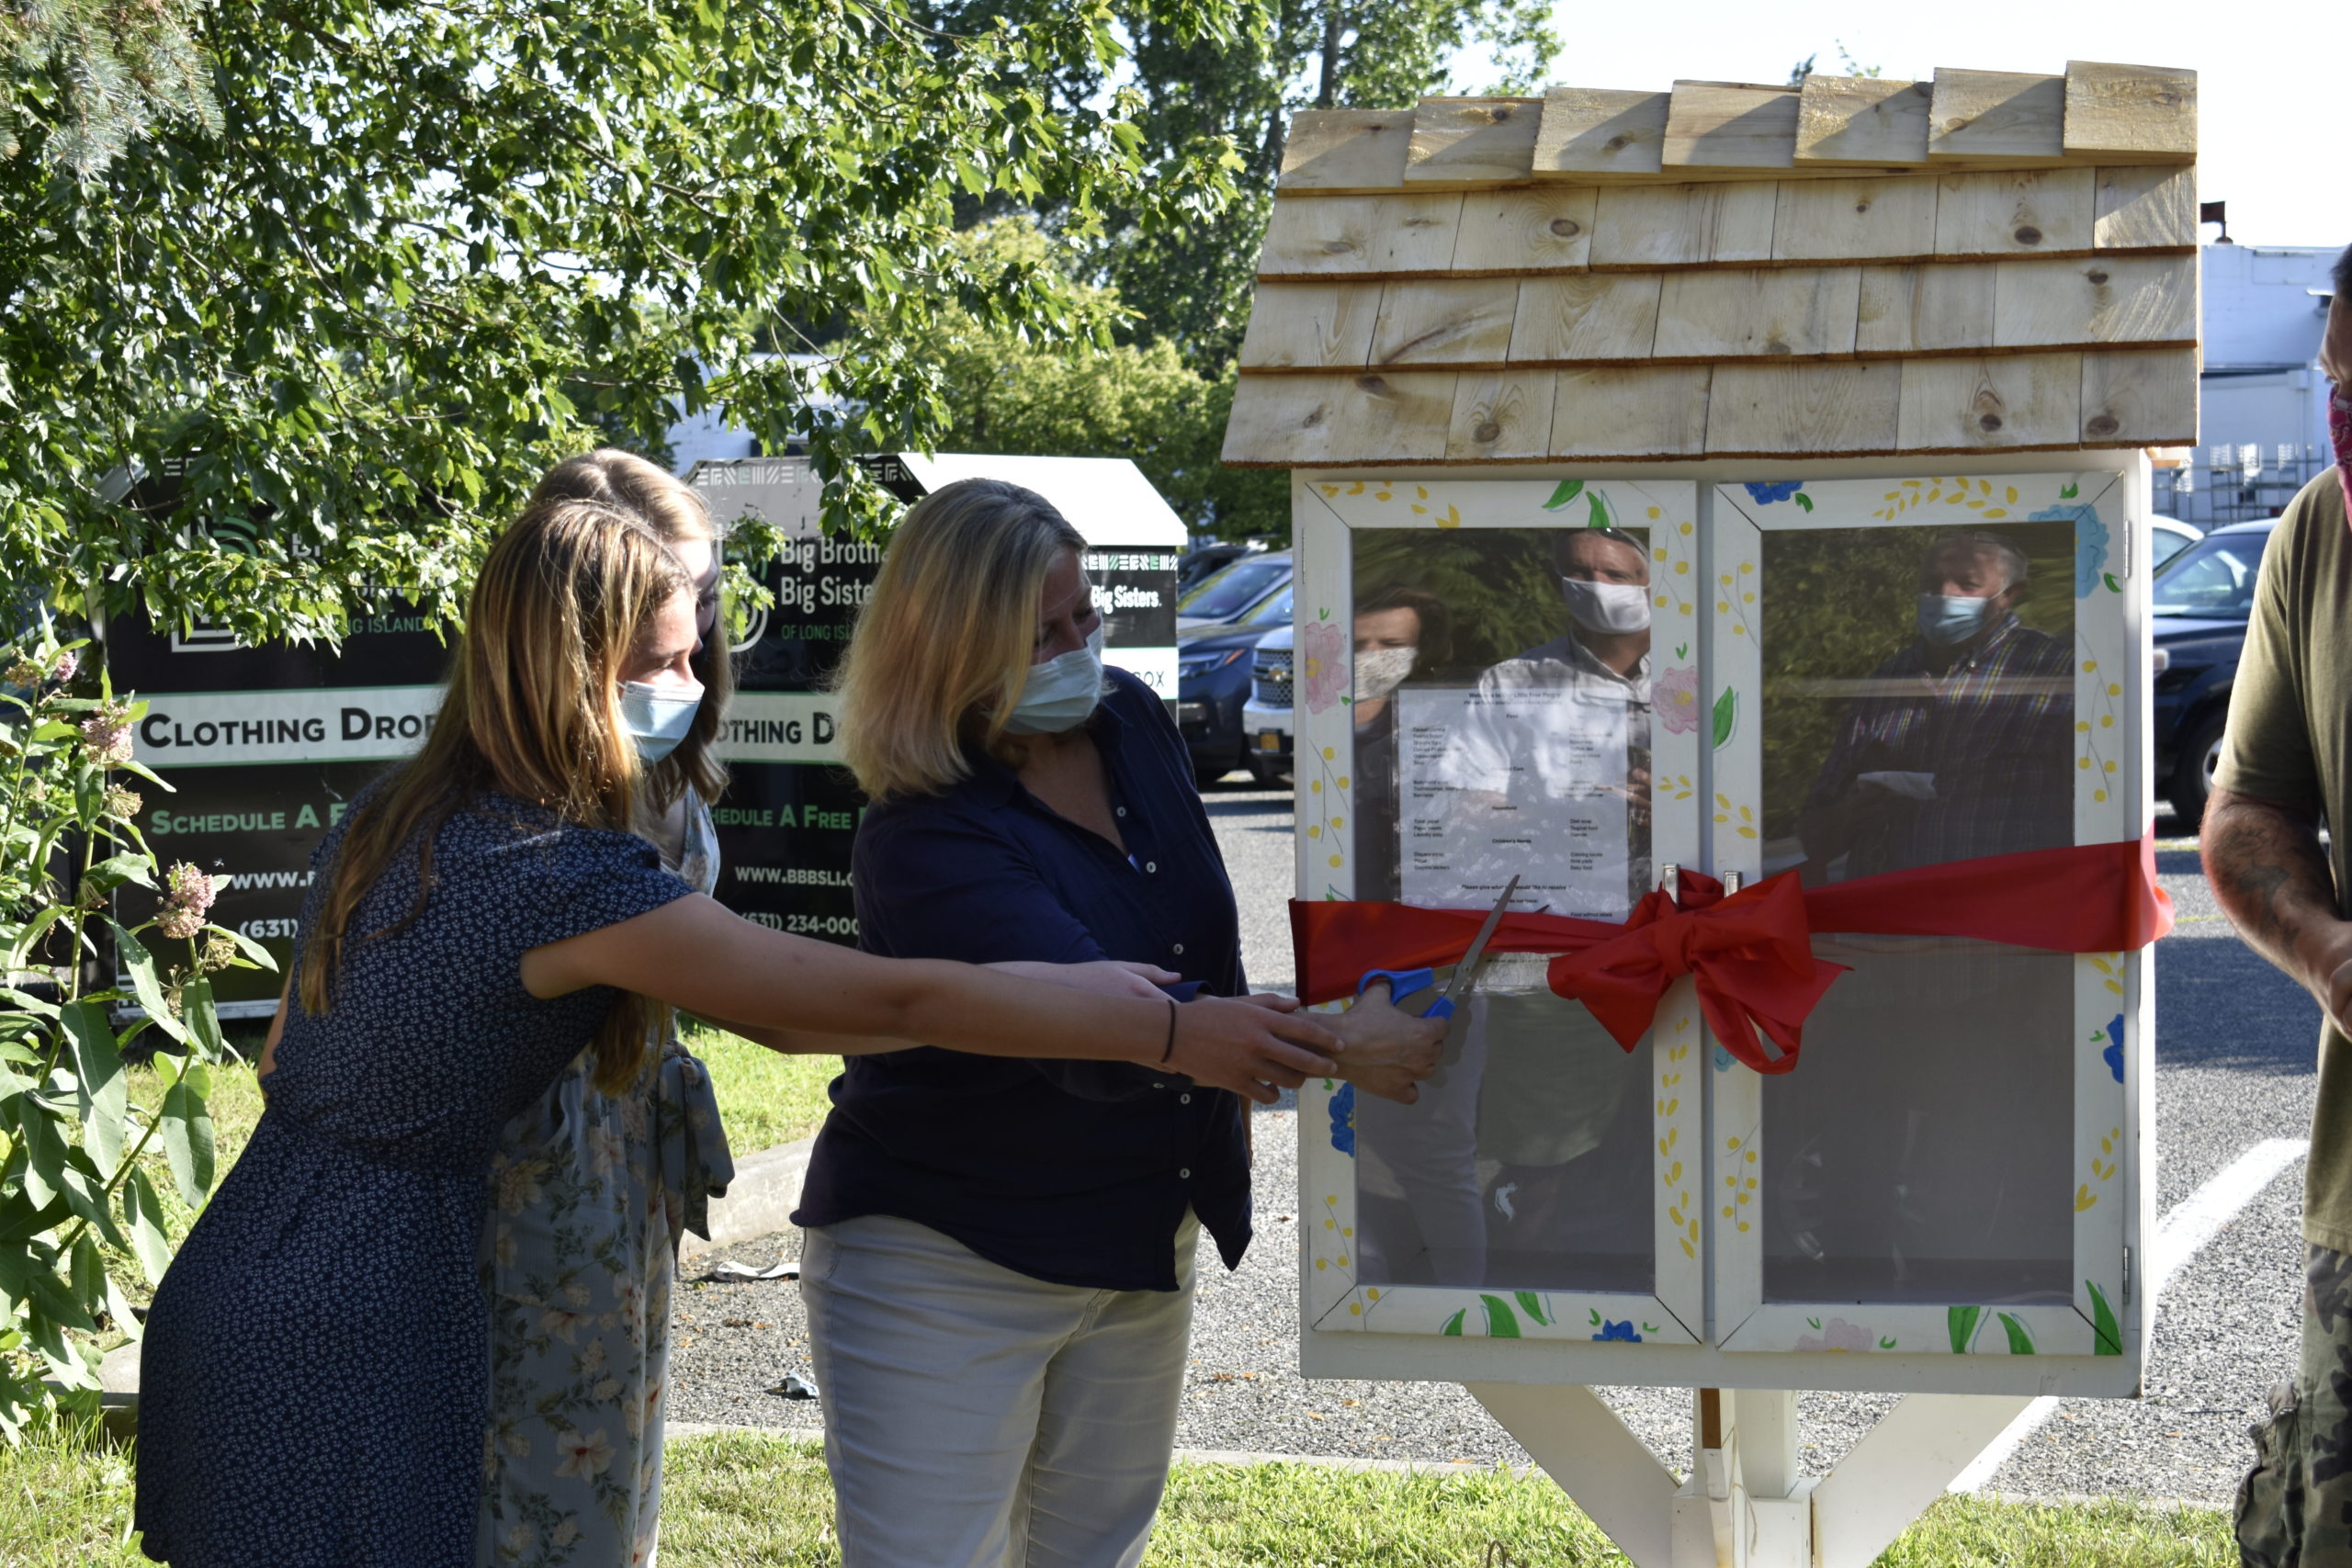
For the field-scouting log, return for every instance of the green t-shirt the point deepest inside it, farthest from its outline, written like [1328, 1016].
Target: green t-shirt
[2290, 740]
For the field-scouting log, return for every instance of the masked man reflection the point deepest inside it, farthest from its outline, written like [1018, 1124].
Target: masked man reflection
[1532, 1120]
[1958, 746]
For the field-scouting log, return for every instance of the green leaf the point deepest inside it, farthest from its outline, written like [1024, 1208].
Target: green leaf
[44, 1167]
[188, 1142]
[140, 965]
[116, 870]
[1567, 492]
[2107, 1333]
[2113, 586]
[255, 953]
[1602, 515]
[1726, 717]
[2020, 1342]
[1802, 499]
[104, 1090]
[203, 1021]
[2069, 492]
[1452, 1328]
[1962, 1321]
[142, 1215]
[1533, 1306]
[1501, 1322]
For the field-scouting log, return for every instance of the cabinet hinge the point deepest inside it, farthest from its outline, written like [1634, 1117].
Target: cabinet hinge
[2127, 1276]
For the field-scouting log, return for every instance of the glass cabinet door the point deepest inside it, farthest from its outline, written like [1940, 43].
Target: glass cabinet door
[1499, 678]
[1906, 673]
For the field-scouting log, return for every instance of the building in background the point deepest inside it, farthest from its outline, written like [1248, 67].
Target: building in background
[2263, 414]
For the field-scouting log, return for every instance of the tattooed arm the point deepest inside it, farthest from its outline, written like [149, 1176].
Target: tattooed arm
[2264, 861]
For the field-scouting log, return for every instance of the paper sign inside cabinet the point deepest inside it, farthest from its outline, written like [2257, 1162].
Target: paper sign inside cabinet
[1585, 681]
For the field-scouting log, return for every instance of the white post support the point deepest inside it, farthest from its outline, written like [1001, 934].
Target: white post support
[1582, 1445]
[1901, 1466]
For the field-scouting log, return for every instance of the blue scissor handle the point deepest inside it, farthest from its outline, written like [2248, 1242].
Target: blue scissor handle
[1403, 982]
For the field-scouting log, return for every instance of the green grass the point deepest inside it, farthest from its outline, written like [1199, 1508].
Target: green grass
[764, 1097]
[744, 1499]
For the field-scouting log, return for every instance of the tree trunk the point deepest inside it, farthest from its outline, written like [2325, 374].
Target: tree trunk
[1327, 95]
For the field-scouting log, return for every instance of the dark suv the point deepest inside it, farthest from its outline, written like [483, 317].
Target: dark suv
[2203, 597]
[1212, 671]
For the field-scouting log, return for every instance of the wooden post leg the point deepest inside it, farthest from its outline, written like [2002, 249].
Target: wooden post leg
[1901, 1466]
[1609, 1472]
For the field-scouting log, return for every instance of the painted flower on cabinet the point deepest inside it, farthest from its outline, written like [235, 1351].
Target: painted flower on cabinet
[1779, 489]
[1620, 1331]
[2090, 544]
[1838, 1335]
[1324, 650]
[1675, 695]
[1343, 1119]
[2114, 1054]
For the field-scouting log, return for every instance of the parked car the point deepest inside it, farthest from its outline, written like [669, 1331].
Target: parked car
[1213, 672]
[2168, 537]
[1195, 565]
[1233, 594]
[2203, 597]
[1265, 718]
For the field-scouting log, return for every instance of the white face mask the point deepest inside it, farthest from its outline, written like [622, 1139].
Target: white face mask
[1061, 691]
[1607, 606]
[657, 718]
[1947, 620]
[1380, 670]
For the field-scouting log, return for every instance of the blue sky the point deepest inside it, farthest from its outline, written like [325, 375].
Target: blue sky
[2275, 81]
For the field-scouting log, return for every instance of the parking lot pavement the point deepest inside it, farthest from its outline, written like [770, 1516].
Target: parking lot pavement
[2234, 1068]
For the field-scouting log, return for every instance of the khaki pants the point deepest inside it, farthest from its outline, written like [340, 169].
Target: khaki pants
[2294, 1508]
[975, 1417]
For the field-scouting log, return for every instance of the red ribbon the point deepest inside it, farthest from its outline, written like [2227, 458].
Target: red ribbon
[1751, 954]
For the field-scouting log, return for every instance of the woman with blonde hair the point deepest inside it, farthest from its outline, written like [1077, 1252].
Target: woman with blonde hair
[999, 1262]
[313, 1377]
[594, 1187]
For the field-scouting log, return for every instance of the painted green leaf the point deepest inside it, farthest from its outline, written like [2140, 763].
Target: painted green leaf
[1501, 1322]
[1596, 1319]
[1649, 1328]
[1886, 1344]
[1569, 490]
[1681, 650]
[1453, 1325]
[1603, 516]
[2109, 1331]
[1802, 499]
[1963, 1324]
[2113, 586]
[1813, 1323]
[2020, 1342]
[1533, 1306]
[2070, 492]
[1726, 717]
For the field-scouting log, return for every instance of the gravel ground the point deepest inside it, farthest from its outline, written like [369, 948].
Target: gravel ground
[2234, 1066]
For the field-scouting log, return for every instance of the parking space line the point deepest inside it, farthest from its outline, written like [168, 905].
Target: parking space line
[2180, 1235]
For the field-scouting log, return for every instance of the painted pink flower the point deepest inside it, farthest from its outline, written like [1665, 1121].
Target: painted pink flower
[1675, 695]
[1838, 1335]
[1324, 651]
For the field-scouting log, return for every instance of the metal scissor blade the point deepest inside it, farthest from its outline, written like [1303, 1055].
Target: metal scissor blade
[1465, 974]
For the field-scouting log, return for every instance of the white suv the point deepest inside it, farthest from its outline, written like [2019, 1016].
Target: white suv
[1265, 718]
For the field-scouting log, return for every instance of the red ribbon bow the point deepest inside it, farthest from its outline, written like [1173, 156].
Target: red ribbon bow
[1752, 952]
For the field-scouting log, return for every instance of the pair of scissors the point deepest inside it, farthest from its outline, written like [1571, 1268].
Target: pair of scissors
[1403, 982]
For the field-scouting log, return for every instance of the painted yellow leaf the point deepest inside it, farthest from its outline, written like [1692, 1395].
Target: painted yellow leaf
[1314, 829]
[2084, 1197]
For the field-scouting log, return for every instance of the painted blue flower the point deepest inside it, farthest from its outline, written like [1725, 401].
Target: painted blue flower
[1723, 1059]
[1343, 1119]
[1779, 489]
[1623, 1331]
[2114, 1052]
[2090, 542]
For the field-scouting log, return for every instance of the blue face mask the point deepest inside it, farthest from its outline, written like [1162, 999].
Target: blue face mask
[657, 718]
[1060, 692]
[1946, 621]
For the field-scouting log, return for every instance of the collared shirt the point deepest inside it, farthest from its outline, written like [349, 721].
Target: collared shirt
[1074, 1172]
[1993, 737]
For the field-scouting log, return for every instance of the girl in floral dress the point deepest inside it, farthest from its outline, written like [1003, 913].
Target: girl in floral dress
[593, 1188]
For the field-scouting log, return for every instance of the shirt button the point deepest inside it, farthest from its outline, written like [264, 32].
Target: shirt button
[1159, 1086]
[1151, 866]
[1180, 950]
[1183, 1100]
[1121, 810]
[1185, 1174]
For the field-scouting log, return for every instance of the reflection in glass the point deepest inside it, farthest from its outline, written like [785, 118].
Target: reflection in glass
[1502, 701]
[1924, 1151]
[1918, 709]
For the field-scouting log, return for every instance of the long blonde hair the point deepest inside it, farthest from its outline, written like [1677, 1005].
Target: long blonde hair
[630, 483]
[941, 652]
[532, 712]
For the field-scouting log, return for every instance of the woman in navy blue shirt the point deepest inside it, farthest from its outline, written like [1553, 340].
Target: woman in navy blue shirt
[1000, 1259]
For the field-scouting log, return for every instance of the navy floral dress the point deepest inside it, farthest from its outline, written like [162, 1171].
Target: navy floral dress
[314, 1383]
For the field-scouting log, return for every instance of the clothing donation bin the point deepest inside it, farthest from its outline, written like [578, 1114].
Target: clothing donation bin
[1723, 510]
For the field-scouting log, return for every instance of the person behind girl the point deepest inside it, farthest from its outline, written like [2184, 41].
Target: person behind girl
[314, 1391]
[998, 1261]
[594, 1187]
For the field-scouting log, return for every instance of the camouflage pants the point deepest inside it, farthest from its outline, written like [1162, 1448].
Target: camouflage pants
[2294, 1507]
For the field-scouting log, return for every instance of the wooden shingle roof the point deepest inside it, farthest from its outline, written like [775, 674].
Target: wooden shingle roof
[1847, 266]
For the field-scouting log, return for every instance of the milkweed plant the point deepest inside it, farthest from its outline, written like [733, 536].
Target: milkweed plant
[78, 1208]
